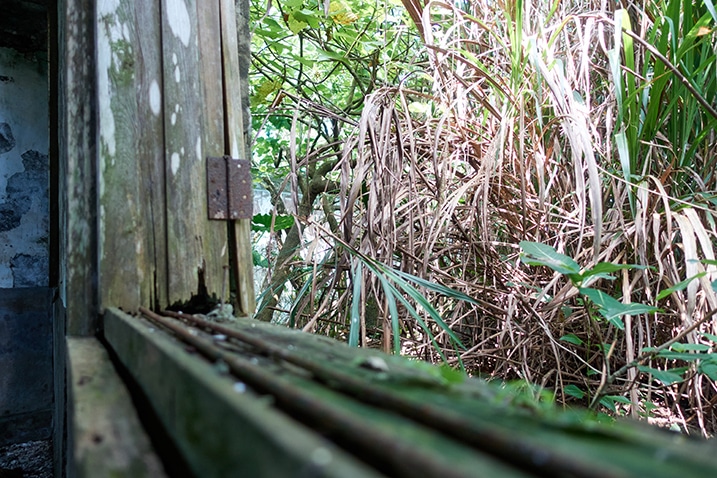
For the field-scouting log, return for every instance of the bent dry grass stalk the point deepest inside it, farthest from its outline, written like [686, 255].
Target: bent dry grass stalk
[586, 129]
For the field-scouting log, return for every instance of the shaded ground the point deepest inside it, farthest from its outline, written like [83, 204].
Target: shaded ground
[26, 460]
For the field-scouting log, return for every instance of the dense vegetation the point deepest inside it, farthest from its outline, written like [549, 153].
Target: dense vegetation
[524, 189]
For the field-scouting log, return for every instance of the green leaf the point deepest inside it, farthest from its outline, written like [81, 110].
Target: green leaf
[666, 354]
[258, 259]
[666, 377]
[573, 391]
[708, 368]
[711, 337]
[619, 399]
[451, 375]
[295, 25]
[680, 347]
[262, 222]
[613, 309]
[572, 339]
[326, 55]
[608, 403]
[679, 286]
[604, 270]
[537, 254]
[356, 298]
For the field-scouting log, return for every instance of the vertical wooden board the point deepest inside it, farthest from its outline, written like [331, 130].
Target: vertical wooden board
[244, 51]
[77, 168]
[150, 97]
[191, 133]
[233, 109]
[129, 138]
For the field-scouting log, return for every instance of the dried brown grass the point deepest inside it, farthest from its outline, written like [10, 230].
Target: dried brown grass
[517, 145]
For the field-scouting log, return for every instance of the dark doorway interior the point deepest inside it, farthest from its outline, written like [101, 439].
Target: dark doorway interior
[27, 384]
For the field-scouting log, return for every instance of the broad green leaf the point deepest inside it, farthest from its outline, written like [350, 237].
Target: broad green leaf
[609, 268]
[708, 368]
[708, 336]
[679, 286]
[258, 259]
[608, 403]
[325, 55]
[573, 391]
[613, 309]
[619, 399]
[680, 347]
[666, 354]
[666, 377]
[537, 254]
[296, 25]
[572, 338]
[262, 222]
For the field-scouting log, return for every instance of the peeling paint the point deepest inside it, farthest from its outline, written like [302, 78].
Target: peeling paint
[198, 148]
[155, 98]
[177, 74]
[24, 171]
[175, 163]
[110, 33]
[178, 18]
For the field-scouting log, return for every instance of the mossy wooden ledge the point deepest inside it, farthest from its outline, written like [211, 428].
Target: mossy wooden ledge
[220, 428]
[106, 435]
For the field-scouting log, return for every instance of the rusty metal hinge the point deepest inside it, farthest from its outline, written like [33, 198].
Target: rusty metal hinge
[229, 188]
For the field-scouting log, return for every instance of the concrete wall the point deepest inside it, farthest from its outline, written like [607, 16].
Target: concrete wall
[24, 169]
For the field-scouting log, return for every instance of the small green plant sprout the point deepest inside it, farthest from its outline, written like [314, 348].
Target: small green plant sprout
[612, 310]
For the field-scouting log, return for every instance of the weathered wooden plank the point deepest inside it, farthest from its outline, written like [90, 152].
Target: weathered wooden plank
[503, 426]
[106, 437]
[220, 429]
[77, 166]
[131, 153]
[241, 237]
[193, 242]
[151, 148]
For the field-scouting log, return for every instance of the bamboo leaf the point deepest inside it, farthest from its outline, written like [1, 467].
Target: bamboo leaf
[537, 254]
[667, 377]
[356, 299]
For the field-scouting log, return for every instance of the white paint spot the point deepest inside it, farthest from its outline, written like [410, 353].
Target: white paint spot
[174, 58]
[155, 98]
[176, 107]
[105, 60]
[175, 163]
[173, 119]
[138, 247]
[177, 75]
[321, 456]
[181, 151]
[198, 150]
[178, 18]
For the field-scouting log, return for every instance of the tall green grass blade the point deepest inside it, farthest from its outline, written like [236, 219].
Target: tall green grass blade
[623, 153]
[356, 299]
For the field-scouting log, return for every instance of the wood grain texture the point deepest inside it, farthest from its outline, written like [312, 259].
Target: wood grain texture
[77, 166]
[236, 148]
[131, 148]
[221, 432]
[191, 133]
[106, 436]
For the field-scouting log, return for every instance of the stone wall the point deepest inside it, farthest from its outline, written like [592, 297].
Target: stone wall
[24, 169]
